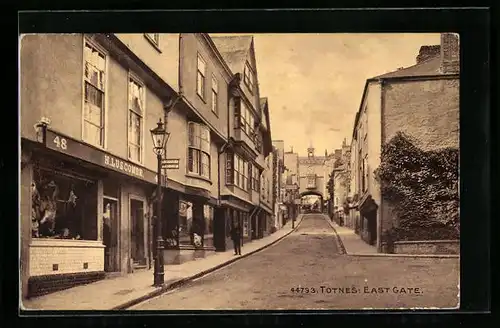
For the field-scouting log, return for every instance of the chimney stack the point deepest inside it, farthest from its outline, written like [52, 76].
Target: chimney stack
[428, 52]
[450, 53]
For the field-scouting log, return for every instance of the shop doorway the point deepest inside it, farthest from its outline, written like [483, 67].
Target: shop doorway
[372, 227]
[137, 231]
[110, 234]
[254, 227]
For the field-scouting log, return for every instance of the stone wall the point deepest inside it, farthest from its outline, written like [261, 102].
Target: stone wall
[427, 247]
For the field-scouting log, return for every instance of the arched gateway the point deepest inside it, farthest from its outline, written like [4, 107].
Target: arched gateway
[314, 193]
[313, 174]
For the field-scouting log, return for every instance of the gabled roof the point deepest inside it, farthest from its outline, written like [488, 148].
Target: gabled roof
[234, 50]
[268, 143]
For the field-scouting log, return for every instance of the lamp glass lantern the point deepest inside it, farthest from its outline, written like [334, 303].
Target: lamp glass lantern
[160, 137]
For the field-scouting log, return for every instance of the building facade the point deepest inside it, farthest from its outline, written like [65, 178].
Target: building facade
[422, 101]
[249, 143]
[279, 182]
[88, 171]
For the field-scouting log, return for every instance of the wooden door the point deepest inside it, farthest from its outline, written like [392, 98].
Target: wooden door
[137, 231]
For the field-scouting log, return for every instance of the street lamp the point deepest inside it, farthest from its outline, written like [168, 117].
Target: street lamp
[160, 137]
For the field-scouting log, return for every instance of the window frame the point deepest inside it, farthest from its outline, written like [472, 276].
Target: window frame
[250, 81]
[133, 77]
[243, 118]
[203, 74]
[365, 173]
[240, 172]
[311, 177]
[104, 115]
[255, 178]
[215, 91]
[192, 148]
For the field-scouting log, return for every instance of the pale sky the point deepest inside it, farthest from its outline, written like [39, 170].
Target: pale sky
[314, 82]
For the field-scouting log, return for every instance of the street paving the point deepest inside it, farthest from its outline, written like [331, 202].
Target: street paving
[306, 270]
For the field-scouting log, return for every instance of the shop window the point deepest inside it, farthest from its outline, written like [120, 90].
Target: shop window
[229, 223]
[208, 214]
[185, 222]
[246, 225]
[63, 206]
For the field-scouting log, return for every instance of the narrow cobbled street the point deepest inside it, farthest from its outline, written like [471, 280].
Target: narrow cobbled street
[306, 270]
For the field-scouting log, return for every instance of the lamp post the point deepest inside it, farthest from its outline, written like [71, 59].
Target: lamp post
[160, 137]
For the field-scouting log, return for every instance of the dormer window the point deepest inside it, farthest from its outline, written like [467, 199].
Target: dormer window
[248, 77]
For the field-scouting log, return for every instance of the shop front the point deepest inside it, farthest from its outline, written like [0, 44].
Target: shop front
[85, 214]
[189, 228]
[231, 212]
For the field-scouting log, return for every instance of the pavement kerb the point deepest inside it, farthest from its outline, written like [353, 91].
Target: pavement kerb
[179, 283]
[344, 251]
[340, 244]
[405, 255]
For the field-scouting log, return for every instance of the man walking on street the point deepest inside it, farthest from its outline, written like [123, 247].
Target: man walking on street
[236, 237]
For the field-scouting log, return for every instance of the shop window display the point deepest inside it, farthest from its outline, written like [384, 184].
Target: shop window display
[185, 222]
[208, 213]
[62, 207]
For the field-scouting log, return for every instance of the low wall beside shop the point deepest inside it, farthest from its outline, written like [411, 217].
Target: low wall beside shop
[427, 247]
[57, 256]
[57, 264]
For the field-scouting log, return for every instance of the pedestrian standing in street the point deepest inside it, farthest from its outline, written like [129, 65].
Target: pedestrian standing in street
[236, 237]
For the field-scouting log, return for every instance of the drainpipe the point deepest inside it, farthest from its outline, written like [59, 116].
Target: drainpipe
[382, 136]
[226, 144]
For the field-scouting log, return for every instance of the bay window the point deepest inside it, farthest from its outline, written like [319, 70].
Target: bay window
[94, 95]
[135, 120]
[199, 149]
[241, 172]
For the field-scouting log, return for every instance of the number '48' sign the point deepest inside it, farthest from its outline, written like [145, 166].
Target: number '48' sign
[60, 142]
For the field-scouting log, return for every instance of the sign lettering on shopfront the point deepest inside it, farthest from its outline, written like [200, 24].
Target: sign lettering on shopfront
[90, 154]
[123, 166]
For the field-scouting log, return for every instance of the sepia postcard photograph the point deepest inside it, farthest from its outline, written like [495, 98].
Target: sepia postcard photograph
[200, 171]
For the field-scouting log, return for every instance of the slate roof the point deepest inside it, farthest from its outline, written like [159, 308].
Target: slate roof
[429, 67]
[234, 50]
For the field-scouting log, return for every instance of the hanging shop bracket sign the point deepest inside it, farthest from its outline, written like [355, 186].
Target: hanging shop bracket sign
[74, 148]
[170, 163]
